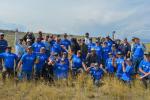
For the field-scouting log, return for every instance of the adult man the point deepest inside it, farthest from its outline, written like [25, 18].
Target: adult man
[110, 63]
[66, 42]
[3, 46]
[96, 72]
[61, 70]
[30, 36]
[9, 65]
[90, 45]
[46, 42]
[109, 42]
[98, 49]
[26, 64]
[119, 65]
[92, 57]
[41, 60]
[84, 49]
[56, 48]
[77, 64]
[105, 51]
[87, 40]
[126, 48]
[144, 69]
[37, 45]
[138, 53]
[19, 48]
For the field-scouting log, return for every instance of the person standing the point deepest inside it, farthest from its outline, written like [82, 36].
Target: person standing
[98, 49]
[66, 42]
[26, 64]
[137, 54]
[9, 65]
[84, 49]
[77, 64]
[119, 65]
[46, 42]
[110, 63]
[37, 45]
[3, 46]
[41, 60]
[87, 39]
[126, 48]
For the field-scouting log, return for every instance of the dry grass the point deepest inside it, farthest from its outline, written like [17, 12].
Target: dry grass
[80, 89]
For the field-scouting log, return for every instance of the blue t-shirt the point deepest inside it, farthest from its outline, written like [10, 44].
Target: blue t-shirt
[90, 46]
[98, 50]
[119, 62]
[109, 66]
[114, 52]
[67, 61]
[42, 60]
[9, 59]
[3, 45]
[60, 70]
[19, 49]
[138, 50]
[28, 61]
[96, 73]
[76, 62]
[37, 46]
[56, 48]
[52, 42]
[46, 44]
[66, 43]
[145, 66]
[109, 44]
[105, 51]
[126, 76]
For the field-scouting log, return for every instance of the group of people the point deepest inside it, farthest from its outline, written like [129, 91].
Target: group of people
[53, 58]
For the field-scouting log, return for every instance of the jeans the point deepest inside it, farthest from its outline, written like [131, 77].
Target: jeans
[146, 81]
[136, 62]
[27, 75]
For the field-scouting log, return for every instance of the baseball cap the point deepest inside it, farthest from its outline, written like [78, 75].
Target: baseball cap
[28, 40]
[1, 33]
[8, 47]
[110, 53]
[29, 47]
[147, 53]
[55, 54]
[128, 59]
[119, 53]
[92, 49]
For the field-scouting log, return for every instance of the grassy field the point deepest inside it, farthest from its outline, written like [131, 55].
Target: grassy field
[80, 89]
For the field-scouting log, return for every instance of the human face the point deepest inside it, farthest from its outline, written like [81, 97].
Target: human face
[146, 57]
[79, 54]
[2, 36]
[42, 50]
[29, 50]
[8, 50]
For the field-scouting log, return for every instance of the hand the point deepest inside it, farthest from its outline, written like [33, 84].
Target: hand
[101, 66]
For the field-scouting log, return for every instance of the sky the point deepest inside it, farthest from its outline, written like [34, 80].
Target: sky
[98, 17]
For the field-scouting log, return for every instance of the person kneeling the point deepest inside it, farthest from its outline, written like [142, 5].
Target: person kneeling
[128, 71]
[96, 72]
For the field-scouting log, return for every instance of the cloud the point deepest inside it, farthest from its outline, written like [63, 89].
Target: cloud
[78, 16]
